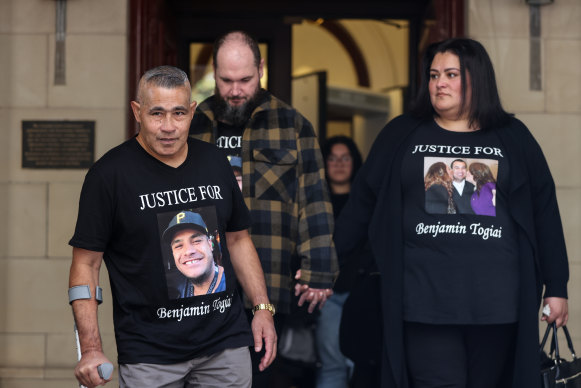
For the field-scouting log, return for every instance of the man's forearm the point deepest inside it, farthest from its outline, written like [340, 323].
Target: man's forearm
[247, 266]
[85, 313]
[85, 271]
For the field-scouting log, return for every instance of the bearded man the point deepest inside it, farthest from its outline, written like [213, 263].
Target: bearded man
[283, 178]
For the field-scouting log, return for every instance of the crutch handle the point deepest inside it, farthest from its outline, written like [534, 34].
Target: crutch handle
[105, 370]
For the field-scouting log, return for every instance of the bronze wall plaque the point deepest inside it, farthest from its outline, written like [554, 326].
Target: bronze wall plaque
[58, 144]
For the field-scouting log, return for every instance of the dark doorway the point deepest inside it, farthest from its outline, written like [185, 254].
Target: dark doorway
[161, 31]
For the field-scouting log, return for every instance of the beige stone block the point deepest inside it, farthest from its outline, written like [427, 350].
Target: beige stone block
[7, 134]
[5, 64]
[40, 382]
[110, 130]
[20, 372]
[497, 18]
[103, 16]
[563, 75]
[63, 199]
[32, 306]
[574, 323]
[24, 70]
[561, 19]
[25, 224]
[9, 374]
[22, 350]
[40, 307]
[570, 209]
[27, 16]
[35, 296]
[46, 380]
[96, 73]
[61, 349]
[4, 207]
[559, 136]
[52, 375]
[510, 58]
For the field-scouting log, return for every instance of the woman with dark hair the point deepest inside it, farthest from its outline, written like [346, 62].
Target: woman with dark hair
[438, 186]
[460, 292]
[483, 198]
[342, 161]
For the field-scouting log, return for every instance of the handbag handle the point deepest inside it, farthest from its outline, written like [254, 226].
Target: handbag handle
[555, 342]
[569, 342]
[545, 336]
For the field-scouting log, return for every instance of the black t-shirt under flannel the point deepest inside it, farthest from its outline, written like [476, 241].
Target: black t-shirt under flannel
[229, 139]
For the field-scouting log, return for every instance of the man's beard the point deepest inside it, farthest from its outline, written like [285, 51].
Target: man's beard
[239, 115]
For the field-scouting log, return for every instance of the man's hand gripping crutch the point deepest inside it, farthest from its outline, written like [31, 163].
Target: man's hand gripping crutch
[105, 370]
[93, 368]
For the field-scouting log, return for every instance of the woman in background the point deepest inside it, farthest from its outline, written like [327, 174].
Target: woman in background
[342, 160]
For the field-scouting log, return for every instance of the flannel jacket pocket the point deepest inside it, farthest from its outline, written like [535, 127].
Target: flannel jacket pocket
[275, 174]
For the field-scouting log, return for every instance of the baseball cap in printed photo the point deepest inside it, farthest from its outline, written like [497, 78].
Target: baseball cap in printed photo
[184, 220]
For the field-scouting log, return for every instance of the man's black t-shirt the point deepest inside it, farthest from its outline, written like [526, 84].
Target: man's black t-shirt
[461, 267]
[229, 139]
[129, 203]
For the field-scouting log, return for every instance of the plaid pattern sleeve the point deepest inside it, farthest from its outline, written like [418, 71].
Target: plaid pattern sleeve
[284, 188]
[315, 248]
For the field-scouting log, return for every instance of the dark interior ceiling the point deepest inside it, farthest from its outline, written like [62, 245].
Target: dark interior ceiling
[332, 9]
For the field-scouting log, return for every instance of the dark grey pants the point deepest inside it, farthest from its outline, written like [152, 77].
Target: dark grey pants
[229, 368]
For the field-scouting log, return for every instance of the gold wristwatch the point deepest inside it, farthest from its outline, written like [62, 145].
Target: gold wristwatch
[264, 306]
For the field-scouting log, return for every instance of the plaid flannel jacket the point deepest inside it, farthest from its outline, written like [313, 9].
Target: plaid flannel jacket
[283, 184]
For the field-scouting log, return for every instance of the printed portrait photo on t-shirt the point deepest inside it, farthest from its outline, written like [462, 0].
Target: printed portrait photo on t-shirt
[191, 251]
[460, 186]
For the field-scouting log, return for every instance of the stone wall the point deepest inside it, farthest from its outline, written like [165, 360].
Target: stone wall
[38, 207]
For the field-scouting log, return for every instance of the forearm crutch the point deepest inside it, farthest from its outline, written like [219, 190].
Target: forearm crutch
[83, 292]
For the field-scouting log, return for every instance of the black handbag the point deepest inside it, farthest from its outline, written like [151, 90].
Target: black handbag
[556, 371]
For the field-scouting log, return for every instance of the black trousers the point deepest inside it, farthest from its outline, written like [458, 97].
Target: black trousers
[459, 356]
